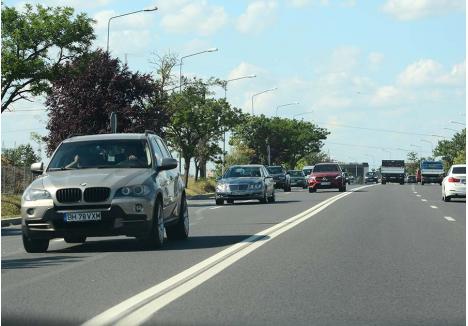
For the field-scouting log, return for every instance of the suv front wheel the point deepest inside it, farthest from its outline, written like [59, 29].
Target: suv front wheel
[180, 230]
[155, 236]
[35, 245]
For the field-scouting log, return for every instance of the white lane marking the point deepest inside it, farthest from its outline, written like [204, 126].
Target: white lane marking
[215, 207]
[450, 219]
[423, 199]
[433, 206]
[58, 240]
[415, 192]
[287, 193]
[418, 195]
[139, 308]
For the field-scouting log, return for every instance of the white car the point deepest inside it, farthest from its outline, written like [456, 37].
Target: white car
[454, 184]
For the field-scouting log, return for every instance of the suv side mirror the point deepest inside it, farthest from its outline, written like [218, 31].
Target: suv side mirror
[168, 164]
[37, 168]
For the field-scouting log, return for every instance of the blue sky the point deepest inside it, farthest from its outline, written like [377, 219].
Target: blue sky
[393, 64]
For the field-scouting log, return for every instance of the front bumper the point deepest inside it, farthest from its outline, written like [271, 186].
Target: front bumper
[431, 179]
[334, 184]
[47, 221]
[240, 195]
[368, 180]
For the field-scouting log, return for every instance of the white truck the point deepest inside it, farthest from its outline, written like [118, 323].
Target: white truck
[393, 171]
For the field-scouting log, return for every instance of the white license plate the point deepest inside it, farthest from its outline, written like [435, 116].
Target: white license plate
[82, 217]
[325, 183]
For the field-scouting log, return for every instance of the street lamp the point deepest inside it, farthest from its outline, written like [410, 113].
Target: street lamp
[283, 105]
[224, 132]
[265, 91]
[432, 145]
[129, 13]
[458, 123]
[303, 113]
[190, 55]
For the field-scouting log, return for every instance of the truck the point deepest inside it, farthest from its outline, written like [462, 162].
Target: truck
[430, 172]
[393, 171]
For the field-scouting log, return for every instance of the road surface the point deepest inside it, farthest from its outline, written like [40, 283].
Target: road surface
[375, 255]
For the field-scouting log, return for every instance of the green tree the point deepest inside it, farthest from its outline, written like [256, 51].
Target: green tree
[196, 119]
[452, 151]
[35, 42]
[413, 162]
[312, 159]
[23, 155]
[289, 140]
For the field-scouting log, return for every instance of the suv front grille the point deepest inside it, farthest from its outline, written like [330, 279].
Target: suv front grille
[96, 194]
[68, 195]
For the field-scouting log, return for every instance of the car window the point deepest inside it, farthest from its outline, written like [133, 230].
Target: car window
[243, 172]
[275, 169]
[459, 170]
[163, 148]
[326, 168]
[265, 172]
[295, 173]
[157, 150]
[127, 153]
[307, 171]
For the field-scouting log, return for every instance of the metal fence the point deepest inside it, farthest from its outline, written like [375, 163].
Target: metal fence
[15, 178]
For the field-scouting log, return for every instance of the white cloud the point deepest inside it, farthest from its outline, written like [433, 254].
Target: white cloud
[415, 9]
[375, 58]
[426, 72]
[258, 16]
[345, 58]
[245, 69]
[299, 3]
[385, 95]
[193, 16]
[323, 3]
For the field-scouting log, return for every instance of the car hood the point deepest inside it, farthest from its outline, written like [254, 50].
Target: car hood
[95, 178]
[326, 174]
[277, 174]
[239, 181]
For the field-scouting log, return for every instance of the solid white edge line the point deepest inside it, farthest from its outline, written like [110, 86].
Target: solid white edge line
[141, 306]
[450, 219]
[215, 207]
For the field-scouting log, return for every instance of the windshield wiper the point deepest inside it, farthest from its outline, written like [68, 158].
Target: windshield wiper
[63, 168]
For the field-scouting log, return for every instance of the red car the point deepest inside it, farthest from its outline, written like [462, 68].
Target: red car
[327, 176]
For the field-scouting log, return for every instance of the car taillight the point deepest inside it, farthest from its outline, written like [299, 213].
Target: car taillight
[452, 179]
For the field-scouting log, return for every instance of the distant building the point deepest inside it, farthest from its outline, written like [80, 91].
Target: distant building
[356, 169]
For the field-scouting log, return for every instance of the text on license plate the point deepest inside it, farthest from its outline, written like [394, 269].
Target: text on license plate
[325, 183]
[82, 217]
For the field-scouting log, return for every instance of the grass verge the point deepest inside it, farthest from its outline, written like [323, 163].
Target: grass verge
[200, 187]
[11, 205]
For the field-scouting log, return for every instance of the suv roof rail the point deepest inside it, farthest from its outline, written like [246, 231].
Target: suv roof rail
[149, 132]
[74, 135]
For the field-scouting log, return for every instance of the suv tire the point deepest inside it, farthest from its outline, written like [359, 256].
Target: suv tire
[180, 230]
[312, 190]
[272, 199]
[219, 201]
[155, 236]
[230, 201]
[264, 200]
[35, 245]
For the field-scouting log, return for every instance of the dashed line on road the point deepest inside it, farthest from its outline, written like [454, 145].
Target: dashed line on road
[418, 195]
[423, 199]
[433, 206]
[415, 192]
[215, 207]
[450, 219]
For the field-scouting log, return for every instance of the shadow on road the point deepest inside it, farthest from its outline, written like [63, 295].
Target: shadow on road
[129, 245]
[38, 262]
[258, 203]
[10, 231]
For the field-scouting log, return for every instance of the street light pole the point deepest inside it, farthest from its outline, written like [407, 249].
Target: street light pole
[458, 123]
[224, 131]
[303, 113]
[283, 105]
[190, 55]
[126, 14]
[254, 95]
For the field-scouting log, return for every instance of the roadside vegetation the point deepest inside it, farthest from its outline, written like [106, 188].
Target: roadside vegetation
[11, 205]
[200, 186]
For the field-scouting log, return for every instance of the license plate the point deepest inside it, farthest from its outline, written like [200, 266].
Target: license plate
[82, 217]
[326, 183]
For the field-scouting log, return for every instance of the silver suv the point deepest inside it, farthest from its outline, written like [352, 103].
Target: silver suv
[102, 185]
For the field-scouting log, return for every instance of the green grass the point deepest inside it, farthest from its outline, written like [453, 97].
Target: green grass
[11, 205]
[200, 187]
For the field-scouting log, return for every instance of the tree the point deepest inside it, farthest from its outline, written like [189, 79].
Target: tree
[413, 164]
[452, 151]
[94, 85]
[196, 118]
[35, 43]
[312, 159]
[289, 140]
[23, 155]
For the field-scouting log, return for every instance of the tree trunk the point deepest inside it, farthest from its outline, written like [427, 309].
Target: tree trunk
[202, 169]
[186, 170]
[197, 169]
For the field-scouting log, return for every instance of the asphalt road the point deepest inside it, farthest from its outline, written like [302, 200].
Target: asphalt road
[381, 255]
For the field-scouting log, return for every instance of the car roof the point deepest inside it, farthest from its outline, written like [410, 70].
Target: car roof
[458, 165]
[120, 136]
[327, 163]
[246, 165]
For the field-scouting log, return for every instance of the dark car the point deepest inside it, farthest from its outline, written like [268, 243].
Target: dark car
[327, 176]
[244, 182]
[297, 178]
[411, 179]
[105, 185]
[371, 177]
[281, 178]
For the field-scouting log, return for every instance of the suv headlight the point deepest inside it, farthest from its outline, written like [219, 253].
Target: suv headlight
[133, 191]
[222, 187]
[36, 194]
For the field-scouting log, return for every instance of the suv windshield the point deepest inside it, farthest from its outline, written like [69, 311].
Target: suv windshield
[101, 154]
[370, 174]
[326, 168]
[243, 172]
[307, 171]
[275, 169]
[295, 173]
